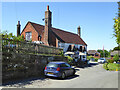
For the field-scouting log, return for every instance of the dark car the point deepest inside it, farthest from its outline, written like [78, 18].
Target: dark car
[59, 69]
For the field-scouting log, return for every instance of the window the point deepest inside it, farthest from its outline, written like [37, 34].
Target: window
[65, 65]
[52, 65]
[69, 48]
[60, 44]
[80, 48]
[28, 36]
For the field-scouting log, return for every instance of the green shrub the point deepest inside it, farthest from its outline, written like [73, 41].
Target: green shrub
[96, 59]
[89, 57]
[116, 57]
[70, 60]
[111, 66]
[110, 61]
[61, 53]
[105, 66]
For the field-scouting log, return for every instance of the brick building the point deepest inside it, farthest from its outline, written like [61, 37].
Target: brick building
[93, 53]
[50, 36]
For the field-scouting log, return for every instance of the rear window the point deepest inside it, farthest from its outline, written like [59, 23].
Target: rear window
[52, 65]
[101, 58]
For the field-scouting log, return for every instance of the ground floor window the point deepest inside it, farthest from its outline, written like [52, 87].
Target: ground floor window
[28, 36]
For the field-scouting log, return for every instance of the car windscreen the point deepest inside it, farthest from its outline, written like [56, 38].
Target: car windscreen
[52, 65]
[101, 58]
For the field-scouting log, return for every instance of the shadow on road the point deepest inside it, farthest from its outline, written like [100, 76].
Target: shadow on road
[86, 65]
[22, 82]
[92, 64]
[67, 78]
[77, 69]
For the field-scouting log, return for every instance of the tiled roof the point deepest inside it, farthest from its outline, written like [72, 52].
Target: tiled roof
[67, 37]
[92, 51]
[39, 28]
[115, 52]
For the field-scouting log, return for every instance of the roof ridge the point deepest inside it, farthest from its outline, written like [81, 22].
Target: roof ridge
[35, 23]
[54, 28]
[64, 31]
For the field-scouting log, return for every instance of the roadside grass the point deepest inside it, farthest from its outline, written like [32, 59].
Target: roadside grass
[112, 66]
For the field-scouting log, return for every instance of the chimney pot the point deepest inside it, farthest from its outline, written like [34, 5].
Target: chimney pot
[47, 7]
[18, 22]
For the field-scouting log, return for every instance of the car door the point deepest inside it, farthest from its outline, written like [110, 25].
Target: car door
[69, 69]
[64, 68]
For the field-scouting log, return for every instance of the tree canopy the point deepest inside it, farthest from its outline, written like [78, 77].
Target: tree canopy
[117, 26]
[7, 35]
[102, 53]
[116, 48]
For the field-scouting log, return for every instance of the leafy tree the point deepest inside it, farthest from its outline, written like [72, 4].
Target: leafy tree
[116, 48]
[102, 53]
[117, 26]
[7, 35]
[116, 57]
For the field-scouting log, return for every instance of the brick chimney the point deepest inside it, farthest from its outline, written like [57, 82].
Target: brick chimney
[79, 31]
[48, 25]
[18, 29]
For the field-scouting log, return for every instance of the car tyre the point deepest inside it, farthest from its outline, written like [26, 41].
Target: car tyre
[73, 73]
[63, 76]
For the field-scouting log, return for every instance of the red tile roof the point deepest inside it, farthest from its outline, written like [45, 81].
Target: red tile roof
[67, 37]
[39, 28]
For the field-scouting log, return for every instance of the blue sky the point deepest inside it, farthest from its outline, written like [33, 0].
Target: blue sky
[94, 18]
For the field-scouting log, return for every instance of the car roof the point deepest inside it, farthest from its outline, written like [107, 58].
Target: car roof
[57, 62]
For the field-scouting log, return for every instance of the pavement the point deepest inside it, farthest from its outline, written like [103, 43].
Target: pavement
[93, 76]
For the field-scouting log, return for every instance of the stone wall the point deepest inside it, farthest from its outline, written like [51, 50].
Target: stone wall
[17, 66]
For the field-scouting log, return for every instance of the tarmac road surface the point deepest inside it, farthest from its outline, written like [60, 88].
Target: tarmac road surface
[88, 77]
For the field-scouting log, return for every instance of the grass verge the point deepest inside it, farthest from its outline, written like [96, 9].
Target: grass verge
[111, 66]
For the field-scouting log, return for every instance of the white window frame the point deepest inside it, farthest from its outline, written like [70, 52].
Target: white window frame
[28, 36]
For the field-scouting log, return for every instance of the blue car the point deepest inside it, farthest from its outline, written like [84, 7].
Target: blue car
[59, 69]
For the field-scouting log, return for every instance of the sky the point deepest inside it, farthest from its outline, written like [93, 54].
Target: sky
[94, 18]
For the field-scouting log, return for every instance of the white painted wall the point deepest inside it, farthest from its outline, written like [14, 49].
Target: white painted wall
[66, 45]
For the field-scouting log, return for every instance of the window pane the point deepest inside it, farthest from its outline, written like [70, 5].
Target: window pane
[67, 65]
[52, 65]
[28, 36]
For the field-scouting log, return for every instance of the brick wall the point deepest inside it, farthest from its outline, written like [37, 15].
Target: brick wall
[52, 39]
[29, 28]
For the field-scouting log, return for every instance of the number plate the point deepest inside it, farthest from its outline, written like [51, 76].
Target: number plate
[49, 73]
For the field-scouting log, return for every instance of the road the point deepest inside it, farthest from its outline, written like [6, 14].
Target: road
[89, 77]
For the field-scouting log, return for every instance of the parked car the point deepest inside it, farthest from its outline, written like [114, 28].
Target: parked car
[101, 60]
[92, 59]
[59, 69]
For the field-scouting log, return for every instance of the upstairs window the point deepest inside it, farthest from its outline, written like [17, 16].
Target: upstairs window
[28, 36]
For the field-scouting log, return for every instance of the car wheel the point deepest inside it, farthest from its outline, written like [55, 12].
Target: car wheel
[63, 75]
[73, 73]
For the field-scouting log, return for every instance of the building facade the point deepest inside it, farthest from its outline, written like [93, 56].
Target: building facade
[113, 53]
[93, 53]
[50, 36]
